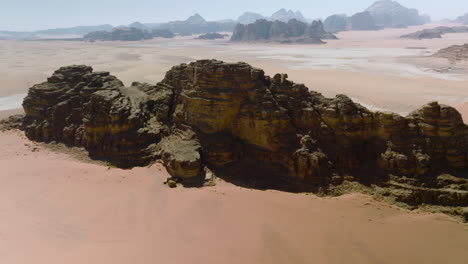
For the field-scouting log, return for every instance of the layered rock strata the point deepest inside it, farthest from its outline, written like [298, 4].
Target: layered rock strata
[293, 31]
[232, 119]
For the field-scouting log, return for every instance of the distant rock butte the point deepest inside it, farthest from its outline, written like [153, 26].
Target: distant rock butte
[391, 14]
[276, 31]
[361, 21]
[231, 119]
[196, 24]
[462, 19]
[127, 34]
[335, 23]
[435, 32]
[286, 15]
[381, 14]
[249, 17]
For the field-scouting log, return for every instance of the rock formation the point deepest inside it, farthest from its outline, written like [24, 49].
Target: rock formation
[249, 17]
[127, 34]
[122, 34]
[454, 53]
[382, 14]
[212, 36]
[231, 119]
[162, 33]
[435, 32]
[196, 24]
[292, 32]
[335, 23]
[462, 19]
[361, 21]
[391, 14]
[286, 15]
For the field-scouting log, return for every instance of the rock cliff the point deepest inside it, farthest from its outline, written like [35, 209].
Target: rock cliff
[293, 31]
[269, 132]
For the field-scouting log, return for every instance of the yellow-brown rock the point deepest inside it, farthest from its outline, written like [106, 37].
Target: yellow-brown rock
[231, 119]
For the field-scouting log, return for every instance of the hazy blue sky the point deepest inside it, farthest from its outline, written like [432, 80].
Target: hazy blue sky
[40, 14]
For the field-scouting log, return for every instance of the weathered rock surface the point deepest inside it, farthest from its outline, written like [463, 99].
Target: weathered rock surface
[294, 31]
[435, 32]
[231, 119]
[454, 53]
[12, 122]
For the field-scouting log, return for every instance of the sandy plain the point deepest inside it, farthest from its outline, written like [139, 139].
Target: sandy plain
[57, 207]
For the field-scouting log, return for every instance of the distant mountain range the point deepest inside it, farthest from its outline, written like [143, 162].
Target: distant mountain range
[56, 32]
[381, 14]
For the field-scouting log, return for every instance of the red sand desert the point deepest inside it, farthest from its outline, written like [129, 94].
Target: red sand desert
[57, 209]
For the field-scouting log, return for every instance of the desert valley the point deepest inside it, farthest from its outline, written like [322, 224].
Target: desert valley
[266, 139]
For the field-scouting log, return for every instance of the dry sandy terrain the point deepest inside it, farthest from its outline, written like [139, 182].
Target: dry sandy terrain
[55, 208]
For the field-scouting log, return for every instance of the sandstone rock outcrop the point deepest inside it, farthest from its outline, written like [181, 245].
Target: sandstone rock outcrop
[294, 31]
[454, 53]
[435, 32]
[231, 119]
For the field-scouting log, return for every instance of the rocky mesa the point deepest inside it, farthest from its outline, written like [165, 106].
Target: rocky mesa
[294, 31]
[230, 119]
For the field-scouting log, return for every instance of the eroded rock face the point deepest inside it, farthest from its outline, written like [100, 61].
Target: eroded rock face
[294, 31]
[241, 124]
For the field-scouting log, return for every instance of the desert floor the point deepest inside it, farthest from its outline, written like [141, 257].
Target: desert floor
[57, 207]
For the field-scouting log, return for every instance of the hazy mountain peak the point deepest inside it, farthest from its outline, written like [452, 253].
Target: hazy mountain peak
[195, 19]
[286, 15]
[249, 17]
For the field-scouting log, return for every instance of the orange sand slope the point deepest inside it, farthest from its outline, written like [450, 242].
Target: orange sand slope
[56, 209]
